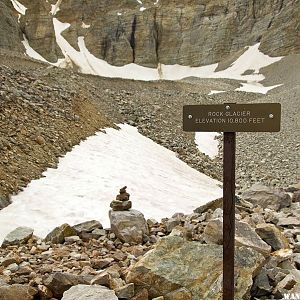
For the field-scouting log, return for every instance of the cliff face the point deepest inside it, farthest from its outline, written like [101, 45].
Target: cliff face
[166, 31]
[10, 33]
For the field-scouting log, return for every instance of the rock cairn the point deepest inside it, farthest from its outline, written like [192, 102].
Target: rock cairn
[122, 201]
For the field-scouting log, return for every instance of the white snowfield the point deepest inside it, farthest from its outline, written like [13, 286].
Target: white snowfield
[89, 177]
[207, 143]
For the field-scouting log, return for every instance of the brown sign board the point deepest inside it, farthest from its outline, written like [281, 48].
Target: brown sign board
[254, 117]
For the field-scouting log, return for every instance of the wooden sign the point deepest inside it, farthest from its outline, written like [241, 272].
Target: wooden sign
[258, 117]
[231, 118]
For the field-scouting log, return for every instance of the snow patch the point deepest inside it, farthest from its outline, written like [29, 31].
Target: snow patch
[140, 2]
[156, 2]
[119, 14]
[33, 54]
[89, 177]
[256, 87]
[207, 143]
[142, 8]
[85, 26]
[212, 92]
[20, 8]
[55, 8]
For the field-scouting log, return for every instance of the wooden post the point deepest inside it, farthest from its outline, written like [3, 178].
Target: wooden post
[228, 215]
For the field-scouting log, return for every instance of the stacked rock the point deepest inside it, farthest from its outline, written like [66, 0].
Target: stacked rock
[122, 201]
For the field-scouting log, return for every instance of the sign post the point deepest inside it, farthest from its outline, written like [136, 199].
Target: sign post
[228, 214]
[231, 118]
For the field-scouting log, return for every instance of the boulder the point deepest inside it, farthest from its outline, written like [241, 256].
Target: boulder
[213, 232]
[272, 236]
[17, 291]
[213, 205]
[172, 223]
[128, 226]
[261, 286]
[58, 234]
[88, 226]
[126, 291]
[244, 235]
[267, 197]
[175, 264]
[91, 292]
[18, 236]
[59, 282]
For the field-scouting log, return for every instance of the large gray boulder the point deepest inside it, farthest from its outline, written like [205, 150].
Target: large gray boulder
[175, 263]
[244, 235]
[267, 197]
[129, 226]
[18, 236]
[90, 292]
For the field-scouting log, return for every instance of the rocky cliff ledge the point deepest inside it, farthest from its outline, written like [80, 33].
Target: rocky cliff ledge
[148, 32]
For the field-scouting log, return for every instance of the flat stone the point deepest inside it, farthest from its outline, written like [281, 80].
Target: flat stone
[72, 239]
[90, 292]
[18, 236]
[212, 205]
[289, 221]
[120, 205]
[88, 226]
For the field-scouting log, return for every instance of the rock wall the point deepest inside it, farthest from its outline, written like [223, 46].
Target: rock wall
[170, 32]
[10, 33]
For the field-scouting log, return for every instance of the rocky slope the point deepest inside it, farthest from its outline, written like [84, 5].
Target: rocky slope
[112, 264]
[61, 107]
[40, 120]
[148, 32]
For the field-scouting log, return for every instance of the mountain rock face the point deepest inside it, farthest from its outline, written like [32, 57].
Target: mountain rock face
[10, 33]
[167, 32]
